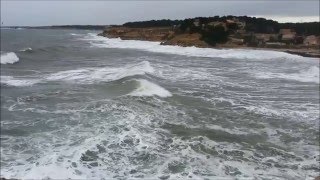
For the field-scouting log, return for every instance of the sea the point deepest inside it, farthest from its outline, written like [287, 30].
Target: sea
[75, 105]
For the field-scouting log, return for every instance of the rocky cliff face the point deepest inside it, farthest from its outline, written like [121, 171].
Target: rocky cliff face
[147, 34]
[165, 35]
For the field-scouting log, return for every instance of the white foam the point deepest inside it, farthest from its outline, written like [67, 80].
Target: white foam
[106, 74]
[103, 42]
[147, 88]
[28, 49]
[305, 75]
[85, 75]
[50, 172]
[11, 81]
[9, 58]
[74, 34]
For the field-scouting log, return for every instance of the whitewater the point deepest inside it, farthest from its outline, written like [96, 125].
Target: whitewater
[80, 106]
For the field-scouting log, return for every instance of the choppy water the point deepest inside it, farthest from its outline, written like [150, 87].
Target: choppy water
[75, 105]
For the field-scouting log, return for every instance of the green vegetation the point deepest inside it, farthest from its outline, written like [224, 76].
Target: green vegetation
[310, 28]
[217, 29]
[216, 34]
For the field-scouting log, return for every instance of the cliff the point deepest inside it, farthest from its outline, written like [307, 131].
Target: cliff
[144, 34]
[164, 35]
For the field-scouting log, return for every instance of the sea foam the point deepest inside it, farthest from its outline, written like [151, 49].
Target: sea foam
[9, 58]
[84, 75]
[12, 81]
[103, 42]
[147, 88]
[106, 74]
[310, 74]
[29, 49]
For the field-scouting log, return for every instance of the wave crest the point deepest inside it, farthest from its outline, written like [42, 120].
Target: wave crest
[29, 49]
[9, 58]
[85, 75]
[306, 75]
[147, 88]
[11, 81]
[91, 75]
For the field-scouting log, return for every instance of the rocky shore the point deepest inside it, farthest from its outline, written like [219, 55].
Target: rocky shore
[169, 36]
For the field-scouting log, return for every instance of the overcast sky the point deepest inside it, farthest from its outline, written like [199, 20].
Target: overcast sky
[35, 13]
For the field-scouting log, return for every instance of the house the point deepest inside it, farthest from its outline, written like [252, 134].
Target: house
[241, 25]
[235, 22]
[215, 23]
[312, 40]
[275, 44]
[285, 31]
[196, 22]
[287, 35]
[236, 41]
[263, 37]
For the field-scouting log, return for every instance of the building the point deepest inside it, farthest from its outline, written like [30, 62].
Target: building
[263, 37]
[285, 31]
[235, 21]
[312, 41]
[287, 35]
[196, 22]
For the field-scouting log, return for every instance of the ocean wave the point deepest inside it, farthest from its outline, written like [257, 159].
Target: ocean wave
[103, 42]
[74, 34]
[305, 75]
[28, 49]
[12, 81]
[85, 75]
[9, 58]
[147, 88]
[107, 74]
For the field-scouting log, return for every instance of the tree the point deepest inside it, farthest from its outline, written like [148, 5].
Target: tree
[214, 35]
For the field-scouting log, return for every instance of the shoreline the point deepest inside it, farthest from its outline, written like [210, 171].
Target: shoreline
[167, 36]
[310, 53]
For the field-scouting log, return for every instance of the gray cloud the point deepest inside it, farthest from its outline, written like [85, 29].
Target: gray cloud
[112, 12]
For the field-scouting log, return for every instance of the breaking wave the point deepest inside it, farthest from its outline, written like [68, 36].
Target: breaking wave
[306, 75]
[147, 88]
[103, 42]
[29, 49]
[74, 34]
[12, 81]
[85, 75]
[106, 74]
[9, 58]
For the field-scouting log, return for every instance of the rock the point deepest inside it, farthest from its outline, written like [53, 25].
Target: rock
[89, 156]
[164, 177]
[132, 171]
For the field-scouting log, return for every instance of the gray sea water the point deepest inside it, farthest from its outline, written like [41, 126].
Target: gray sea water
[76, 105]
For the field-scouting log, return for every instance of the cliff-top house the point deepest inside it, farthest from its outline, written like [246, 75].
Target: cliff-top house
[288, 35]
[312, 40]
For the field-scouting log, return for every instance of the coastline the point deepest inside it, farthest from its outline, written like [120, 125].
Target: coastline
[311, 53]
[167, 36]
